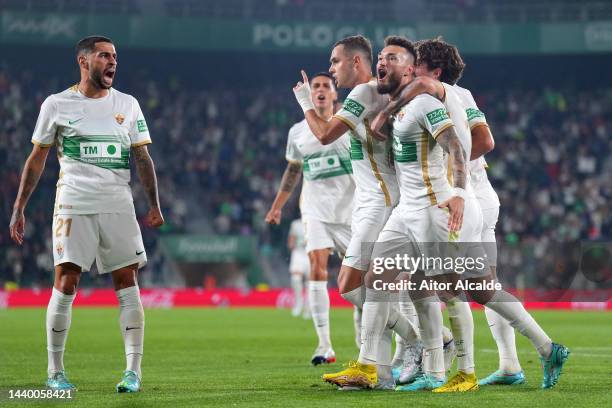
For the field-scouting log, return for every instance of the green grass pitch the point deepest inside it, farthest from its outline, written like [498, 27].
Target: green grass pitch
[261, 358]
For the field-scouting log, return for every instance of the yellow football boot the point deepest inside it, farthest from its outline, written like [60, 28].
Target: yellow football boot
[356, 375]
[460, 382]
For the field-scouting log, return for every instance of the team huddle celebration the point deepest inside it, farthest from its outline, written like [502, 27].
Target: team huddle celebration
[320, 209]
[405, 151]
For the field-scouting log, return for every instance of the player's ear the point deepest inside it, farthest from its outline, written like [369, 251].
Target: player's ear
[437, 73]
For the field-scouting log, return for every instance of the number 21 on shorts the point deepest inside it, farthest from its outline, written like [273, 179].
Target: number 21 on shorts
[63, 227]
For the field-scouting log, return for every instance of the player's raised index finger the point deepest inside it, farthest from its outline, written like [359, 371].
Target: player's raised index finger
[304, 76]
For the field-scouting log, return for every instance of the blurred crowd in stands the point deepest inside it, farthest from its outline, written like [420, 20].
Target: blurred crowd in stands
[219, 155]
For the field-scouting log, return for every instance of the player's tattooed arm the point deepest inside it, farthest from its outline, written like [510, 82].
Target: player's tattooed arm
[146, 172]
[291, 178]
[33, 169]
[449, 141]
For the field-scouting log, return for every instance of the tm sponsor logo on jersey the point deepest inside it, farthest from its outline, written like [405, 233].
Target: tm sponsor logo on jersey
[92, 150]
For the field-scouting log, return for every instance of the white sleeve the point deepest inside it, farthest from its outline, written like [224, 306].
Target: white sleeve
[358, 104]
[293, 154]
[474, 115]
[432, 115]
[139, 132]
[46, 125]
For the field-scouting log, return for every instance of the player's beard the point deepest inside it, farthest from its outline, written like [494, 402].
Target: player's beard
[96, 79]
[391, 85]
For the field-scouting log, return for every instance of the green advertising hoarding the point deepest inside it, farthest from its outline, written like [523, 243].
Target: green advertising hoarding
[198, 248]
[214, 34]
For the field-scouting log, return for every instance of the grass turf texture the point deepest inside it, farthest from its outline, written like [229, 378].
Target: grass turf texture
[261, 357]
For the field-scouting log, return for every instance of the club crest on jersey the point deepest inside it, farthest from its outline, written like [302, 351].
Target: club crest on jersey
[59, 248]
[119, 118]
[400, 115]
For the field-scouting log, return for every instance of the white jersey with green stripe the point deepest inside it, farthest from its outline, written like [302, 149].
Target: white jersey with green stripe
[328, 187]
[93, 138]
[478, 174]
[419, 159]
[372, 159]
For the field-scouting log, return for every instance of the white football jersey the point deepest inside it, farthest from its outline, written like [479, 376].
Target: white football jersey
[480, 181]
[328, 187]
[372, 160]
[419, 159]
[93, 139]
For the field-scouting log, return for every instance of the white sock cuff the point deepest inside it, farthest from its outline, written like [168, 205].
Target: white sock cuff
[129, 296]
[317, 285]
[62, 300]
[428, 299]
[373, 295]
[355, 296]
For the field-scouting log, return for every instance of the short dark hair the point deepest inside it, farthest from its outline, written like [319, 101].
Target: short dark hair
[437, 53]
[88, 44]
[326, 75]
[357, 43]
[402, 42]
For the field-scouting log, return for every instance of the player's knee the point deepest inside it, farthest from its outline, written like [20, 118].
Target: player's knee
[67, 278]
[125, 277]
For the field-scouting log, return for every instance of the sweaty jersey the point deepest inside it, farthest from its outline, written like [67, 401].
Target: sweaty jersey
[375, 180]
[480, 181]
[297, 230]
[328, 188]
[93, 139]
[419, 159]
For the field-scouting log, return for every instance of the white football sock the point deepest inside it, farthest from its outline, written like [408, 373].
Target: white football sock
[511, 309]
[318, 298]
[355, 296]
[401, 325]
[430, 320]
[357, 316]
[298, 289]
[59, 317]
[406, 308]
[374, 321]
[503, 334]
[383, 358]
[447, 335]
[462, 326]
[131, 323]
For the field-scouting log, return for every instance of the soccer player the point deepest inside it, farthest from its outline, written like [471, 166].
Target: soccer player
[298, 267]
[439, 61]
[376, 190]
[94, 127]
[326, 203]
